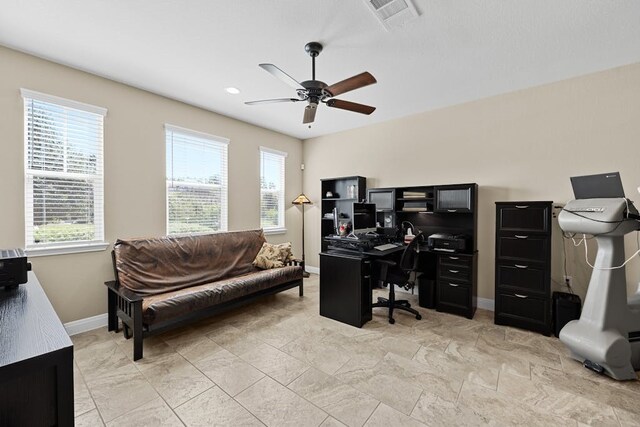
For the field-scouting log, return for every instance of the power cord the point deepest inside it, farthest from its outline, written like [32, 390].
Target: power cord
[586, 255]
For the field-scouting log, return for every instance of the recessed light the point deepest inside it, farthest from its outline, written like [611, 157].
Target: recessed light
[233, 90]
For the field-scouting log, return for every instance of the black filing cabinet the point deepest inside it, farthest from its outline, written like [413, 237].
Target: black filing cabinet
[345, 287]
[523, 265]
[456, 284]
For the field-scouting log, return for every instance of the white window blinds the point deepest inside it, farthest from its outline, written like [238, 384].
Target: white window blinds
[196, 181]
[63, 171]
[272, 188]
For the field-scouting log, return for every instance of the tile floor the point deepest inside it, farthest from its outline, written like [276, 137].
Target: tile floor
[278, 363]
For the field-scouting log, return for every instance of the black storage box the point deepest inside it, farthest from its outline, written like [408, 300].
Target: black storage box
[13, 268]
[426, 292]
[566, 307]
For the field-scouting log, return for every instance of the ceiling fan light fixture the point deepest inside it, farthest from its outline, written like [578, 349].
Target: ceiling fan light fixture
[313, 91]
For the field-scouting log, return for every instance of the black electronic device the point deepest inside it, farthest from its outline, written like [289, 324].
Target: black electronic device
[566, 307]
[447, 242]
[13, 268]
[360, 242]
[364, 218]
[601, 186]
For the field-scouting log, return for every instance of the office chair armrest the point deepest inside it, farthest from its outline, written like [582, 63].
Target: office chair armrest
[386, 262]
[384, 267]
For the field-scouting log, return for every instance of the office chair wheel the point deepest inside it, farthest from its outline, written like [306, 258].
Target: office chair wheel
[418, 317]
[392, 320]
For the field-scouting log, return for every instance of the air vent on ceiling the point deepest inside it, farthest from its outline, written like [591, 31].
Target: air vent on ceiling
[393, 13]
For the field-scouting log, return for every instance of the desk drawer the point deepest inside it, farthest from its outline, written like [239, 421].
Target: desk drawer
[524, 217]
[453, 295]
[523, 311]
[454, 274]
[464, 261]
[516, 277]
[523, 247]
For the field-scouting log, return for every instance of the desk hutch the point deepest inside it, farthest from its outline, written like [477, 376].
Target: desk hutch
[434, 209]
[431, 209]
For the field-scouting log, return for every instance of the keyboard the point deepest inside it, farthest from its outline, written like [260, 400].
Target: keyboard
[385, 247]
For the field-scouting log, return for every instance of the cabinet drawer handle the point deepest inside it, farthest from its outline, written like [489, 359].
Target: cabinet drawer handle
[452, 210]
[521, 266]
[521, 296]
[454, 257]
[454, 285]
[522, 206]
[521, 237]
[454, 271]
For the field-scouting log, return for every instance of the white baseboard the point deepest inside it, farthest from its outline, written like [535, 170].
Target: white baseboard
[312, 269]
[487, 304]
[87, 324]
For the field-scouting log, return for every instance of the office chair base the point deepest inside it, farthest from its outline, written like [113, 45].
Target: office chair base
[397, 304]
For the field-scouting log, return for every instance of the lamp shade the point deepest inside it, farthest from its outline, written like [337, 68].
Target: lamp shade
[301, 200]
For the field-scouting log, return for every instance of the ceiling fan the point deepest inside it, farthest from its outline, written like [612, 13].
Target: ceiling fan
[315, 91]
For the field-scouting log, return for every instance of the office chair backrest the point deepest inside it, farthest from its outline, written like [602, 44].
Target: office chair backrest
[409, 259]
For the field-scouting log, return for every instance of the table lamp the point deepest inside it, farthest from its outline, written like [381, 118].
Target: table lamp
[302, 200]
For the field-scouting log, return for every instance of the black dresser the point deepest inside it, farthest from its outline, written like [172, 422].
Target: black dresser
[36, 360]
[523, 265]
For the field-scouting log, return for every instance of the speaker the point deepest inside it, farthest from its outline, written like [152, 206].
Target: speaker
[565, 307]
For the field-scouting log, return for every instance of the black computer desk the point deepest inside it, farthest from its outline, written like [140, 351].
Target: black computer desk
[347, 278]
[346, 282]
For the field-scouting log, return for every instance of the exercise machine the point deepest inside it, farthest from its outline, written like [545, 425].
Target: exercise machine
[606, 338]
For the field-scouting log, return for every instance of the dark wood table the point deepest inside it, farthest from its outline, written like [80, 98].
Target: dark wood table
[36, 360]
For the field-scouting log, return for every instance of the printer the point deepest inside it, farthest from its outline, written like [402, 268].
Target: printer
[447, 242]
[13, 268]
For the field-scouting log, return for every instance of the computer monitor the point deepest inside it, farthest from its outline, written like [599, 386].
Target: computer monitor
[364, 218]
[602, 186]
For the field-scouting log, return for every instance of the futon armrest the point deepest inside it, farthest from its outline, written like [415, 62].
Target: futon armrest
[123, 292]
[295, 262]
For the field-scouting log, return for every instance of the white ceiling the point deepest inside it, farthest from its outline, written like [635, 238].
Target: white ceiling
[456, 51]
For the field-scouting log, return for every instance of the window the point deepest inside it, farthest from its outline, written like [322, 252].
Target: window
[272, 189]
[196, 181]
[64, 209]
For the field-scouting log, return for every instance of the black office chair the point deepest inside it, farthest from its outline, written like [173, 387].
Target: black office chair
[399, 274]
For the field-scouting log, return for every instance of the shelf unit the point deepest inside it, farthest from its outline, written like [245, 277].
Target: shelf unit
[341, 189]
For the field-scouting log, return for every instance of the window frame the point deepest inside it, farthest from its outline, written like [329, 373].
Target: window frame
[219, 141]
[33, 249]
[281, 227]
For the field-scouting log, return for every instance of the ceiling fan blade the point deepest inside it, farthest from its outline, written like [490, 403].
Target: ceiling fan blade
[272, 101]
[277, 72]
[352, 83]
[351, 106]
[309, 113]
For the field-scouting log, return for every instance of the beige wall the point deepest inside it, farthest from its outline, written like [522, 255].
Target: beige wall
[134, 171]
[518, 146]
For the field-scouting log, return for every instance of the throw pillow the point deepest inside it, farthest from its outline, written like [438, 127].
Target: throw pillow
[270, 256]
[286, 252]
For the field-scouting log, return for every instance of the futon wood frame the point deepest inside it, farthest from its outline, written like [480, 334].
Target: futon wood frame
[126, 306]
